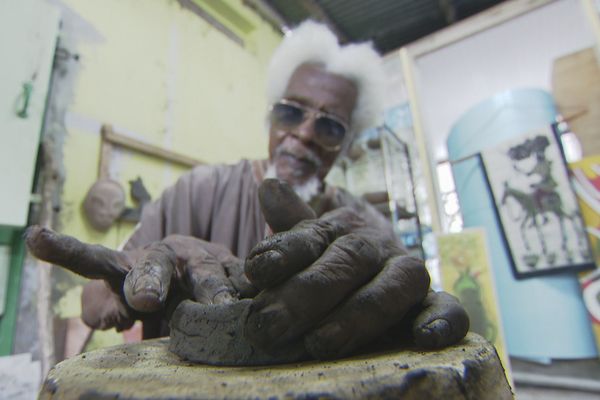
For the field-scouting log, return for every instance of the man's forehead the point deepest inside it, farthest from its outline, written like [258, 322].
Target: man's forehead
[312, 84]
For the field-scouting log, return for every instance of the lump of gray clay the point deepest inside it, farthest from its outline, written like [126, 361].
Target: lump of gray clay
[213, 334]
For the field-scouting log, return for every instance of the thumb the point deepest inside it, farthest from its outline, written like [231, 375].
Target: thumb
[281, 206]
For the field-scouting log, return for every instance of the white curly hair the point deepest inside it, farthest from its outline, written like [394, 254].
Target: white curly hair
[312, 42]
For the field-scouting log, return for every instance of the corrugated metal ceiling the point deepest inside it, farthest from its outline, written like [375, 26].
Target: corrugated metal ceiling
[390, 24]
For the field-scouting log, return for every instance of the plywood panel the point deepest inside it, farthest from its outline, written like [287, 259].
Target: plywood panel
[576, 89]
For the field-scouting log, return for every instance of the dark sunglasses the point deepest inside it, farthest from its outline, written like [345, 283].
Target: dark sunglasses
[330, 131]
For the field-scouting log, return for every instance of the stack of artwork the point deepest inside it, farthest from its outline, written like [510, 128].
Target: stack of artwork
[586, 182]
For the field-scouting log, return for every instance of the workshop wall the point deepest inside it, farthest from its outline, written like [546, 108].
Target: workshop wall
[518, 53]
[161, 74]
[454, 81]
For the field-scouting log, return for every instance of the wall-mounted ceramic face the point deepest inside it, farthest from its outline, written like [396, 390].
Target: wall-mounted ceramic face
[103, 204]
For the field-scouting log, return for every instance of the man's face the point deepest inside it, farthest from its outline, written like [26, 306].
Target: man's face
[296, 152]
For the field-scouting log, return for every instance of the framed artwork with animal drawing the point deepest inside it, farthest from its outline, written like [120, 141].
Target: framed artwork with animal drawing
[536, 206]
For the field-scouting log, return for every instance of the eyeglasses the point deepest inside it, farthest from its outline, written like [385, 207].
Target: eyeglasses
[330, 131]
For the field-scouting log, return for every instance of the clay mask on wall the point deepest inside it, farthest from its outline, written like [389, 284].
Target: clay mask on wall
[104, 203]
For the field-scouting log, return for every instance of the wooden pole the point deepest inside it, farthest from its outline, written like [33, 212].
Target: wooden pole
[430, 174]
[111, 139]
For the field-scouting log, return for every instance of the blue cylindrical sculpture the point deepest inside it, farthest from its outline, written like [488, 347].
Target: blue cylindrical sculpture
[543, 317]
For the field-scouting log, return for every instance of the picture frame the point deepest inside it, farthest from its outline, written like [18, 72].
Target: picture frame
[586, 183]
[535, 205]
[466, 273]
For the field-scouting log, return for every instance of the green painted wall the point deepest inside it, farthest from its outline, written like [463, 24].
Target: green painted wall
[161, 74]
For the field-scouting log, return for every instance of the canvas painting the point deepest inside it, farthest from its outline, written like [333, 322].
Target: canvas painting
[586, 182]
[536, 206]
[466, 273]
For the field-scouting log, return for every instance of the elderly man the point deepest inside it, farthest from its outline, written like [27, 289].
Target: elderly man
[332, 273]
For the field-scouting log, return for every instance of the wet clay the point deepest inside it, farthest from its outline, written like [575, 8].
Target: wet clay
[213, 334]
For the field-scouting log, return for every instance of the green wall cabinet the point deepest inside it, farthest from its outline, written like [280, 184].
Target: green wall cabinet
[28, 33]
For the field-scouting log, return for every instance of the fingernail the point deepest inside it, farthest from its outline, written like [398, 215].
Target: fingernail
[274, 318]
[260, 275]
[327, 341]
[147, 284]
[143, 292]
[435, 332]
[269, 256]
[439, 327]
[329, 331]
[223, 297]
[267, 326]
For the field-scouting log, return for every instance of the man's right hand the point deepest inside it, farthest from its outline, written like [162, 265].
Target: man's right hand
[146, 282]
[339, 282]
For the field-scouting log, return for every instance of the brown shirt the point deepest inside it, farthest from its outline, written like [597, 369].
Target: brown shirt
[219, 203]
[216, 203]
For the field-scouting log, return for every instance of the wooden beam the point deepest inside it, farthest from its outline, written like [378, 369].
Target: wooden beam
[470, 26]
[592, 15]
[106, 149]
[319, 13]
[449, 10]
[110, 138]
[431, 182]
[212, 21]
[269, 14]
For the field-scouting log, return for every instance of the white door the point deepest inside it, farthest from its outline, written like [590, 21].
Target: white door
[28, 32]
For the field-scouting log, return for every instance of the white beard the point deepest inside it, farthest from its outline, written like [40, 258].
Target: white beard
[306, 191]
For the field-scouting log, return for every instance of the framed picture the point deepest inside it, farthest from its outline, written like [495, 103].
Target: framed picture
[466, 273]
[536, 206]
[586, 182]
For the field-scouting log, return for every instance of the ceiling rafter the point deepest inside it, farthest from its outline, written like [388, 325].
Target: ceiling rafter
[390, 24]
[315, 9]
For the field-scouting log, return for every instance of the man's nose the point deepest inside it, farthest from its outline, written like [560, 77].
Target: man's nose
[306, 130]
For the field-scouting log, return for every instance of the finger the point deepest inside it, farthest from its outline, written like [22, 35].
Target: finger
[209, 281]
[234, 268]
[441, 322]
[384, 301]
[90, 261]
[281, 314]
[281, 206]
[284, 254]
[147, 284]
[200, 265]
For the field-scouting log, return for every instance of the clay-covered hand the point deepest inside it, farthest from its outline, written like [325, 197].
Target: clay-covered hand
[150, 281]
[338, 284]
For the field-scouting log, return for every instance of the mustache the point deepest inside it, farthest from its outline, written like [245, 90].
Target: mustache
[306, 190]
[305, 154]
